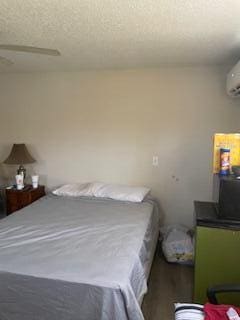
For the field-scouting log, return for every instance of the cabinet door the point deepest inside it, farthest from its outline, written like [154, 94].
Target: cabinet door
[37, 194]
[12, 203]
[24, 199]
[12, 208]
[217, 261]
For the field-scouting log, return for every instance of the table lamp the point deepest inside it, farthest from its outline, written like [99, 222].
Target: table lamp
[19, 155]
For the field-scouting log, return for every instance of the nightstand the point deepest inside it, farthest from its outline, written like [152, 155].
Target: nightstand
[18, 199]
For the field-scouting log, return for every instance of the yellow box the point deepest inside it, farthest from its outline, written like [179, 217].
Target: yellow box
[226, 140]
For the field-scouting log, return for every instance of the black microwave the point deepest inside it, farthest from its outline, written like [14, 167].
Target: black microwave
[229, 198]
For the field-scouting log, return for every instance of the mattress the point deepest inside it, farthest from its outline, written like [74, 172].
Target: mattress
[76, 258]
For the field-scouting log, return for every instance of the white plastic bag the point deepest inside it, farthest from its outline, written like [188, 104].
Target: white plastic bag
[177, 244]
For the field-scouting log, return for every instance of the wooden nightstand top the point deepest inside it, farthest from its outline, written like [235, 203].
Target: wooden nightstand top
[27, 188]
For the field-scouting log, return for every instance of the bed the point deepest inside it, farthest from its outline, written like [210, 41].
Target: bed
[76, 258]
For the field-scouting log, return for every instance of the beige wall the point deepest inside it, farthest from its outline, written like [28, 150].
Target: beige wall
[107, 125]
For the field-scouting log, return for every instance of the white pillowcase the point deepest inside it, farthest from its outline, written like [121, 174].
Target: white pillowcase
[103, 190]
[119, 192]
[75, 190]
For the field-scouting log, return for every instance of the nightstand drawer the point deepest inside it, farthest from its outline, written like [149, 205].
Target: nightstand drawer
[24, 201]
[37, 195]
[18, 199]
[12, 208]
[12, 199]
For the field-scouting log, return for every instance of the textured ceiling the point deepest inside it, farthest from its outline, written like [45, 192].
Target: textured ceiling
[94, 34]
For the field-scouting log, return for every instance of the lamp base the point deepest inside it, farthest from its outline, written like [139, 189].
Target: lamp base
[21, 170]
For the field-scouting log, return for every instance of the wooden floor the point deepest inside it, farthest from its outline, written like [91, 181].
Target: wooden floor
[168, 283]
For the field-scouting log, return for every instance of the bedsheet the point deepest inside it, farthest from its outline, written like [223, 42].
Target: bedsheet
[76, 258]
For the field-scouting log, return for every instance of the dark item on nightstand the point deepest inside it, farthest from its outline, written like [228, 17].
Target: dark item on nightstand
[20, 155]
[18, 199]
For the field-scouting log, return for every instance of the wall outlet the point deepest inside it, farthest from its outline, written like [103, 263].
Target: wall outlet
[155, 161]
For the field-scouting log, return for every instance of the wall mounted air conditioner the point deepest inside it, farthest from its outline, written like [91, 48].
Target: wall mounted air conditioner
[233, 81]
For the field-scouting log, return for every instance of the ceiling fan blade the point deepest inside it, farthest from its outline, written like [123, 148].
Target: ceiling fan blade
[5, 61]
[12, 47]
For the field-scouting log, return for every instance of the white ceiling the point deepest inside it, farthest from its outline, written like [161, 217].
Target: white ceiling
[120, 33]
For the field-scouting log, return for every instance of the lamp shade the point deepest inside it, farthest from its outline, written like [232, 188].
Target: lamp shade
[19, 155]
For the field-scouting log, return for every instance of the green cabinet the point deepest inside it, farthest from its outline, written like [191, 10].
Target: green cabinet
[217, 261]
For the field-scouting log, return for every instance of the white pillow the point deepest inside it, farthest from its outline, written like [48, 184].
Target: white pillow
[119, 192]
[75, 190]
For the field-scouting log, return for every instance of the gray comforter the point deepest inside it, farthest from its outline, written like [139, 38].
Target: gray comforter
[83, 259]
